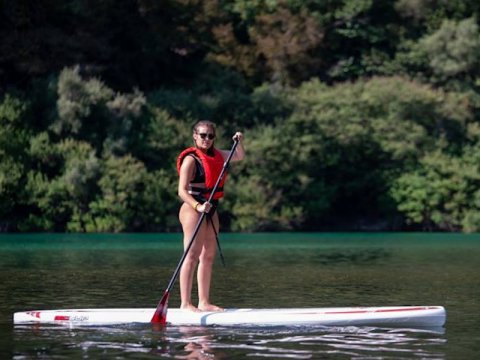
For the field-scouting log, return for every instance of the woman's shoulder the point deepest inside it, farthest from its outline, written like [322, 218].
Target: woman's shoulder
[189, 159]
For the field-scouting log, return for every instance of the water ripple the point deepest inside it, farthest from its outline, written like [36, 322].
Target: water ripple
[228, 342]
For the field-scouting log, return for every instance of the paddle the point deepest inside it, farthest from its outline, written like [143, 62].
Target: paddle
[160, 315]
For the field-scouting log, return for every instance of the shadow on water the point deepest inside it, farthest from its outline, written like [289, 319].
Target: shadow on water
[188, 342]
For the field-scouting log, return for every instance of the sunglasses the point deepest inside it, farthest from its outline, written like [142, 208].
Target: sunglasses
[205, 135]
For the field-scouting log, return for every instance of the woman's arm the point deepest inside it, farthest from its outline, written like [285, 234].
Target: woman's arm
[187, 171]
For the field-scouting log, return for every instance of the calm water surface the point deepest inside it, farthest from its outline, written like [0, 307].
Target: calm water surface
[52, 271]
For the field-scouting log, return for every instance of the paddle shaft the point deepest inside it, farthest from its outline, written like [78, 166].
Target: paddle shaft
[160, 312]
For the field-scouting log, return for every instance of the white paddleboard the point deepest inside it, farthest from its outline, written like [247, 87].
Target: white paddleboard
[415, 316]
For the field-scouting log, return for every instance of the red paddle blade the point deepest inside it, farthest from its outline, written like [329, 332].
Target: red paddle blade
[160, 316]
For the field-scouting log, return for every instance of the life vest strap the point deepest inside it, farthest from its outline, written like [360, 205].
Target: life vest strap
[195, 190]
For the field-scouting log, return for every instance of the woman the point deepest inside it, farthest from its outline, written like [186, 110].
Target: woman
[199, 168]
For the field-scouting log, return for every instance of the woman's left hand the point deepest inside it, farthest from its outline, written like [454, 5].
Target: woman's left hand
[238, 136]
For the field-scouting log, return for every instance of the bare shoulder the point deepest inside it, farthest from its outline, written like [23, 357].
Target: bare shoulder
[188, 163]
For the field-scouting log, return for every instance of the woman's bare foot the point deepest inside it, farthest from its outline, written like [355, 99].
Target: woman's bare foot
[209, 307]
[190, 307]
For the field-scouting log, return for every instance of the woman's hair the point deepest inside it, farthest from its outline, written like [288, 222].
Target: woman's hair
[207, 123]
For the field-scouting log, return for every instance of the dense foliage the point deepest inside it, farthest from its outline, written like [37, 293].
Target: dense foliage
[358, 114]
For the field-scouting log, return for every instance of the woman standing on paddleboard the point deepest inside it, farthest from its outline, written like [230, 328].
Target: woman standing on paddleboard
[199, 168]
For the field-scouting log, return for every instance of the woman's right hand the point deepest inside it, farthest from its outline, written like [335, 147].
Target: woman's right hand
[205, 207]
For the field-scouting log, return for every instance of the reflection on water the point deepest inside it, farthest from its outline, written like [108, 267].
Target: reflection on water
[228, 343]
[199, 344]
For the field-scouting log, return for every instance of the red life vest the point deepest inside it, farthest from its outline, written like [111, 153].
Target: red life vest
[212, 166]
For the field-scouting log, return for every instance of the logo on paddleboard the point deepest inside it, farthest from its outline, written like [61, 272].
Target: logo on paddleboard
[77, 318]
[35, 314]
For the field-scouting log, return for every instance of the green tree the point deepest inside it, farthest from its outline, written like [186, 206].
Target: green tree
[130, 199]
[332, 161]
[62, 182]
[453, 51]
[442, 194]
[259, 199]
[13, 141]
[89, 110]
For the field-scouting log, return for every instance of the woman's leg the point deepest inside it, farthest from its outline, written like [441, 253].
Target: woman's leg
[189, 219]
[204, 272]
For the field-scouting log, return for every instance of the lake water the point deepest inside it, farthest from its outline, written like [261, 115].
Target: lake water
[51, 271]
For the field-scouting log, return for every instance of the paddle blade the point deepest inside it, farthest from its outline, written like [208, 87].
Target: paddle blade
[160, 316]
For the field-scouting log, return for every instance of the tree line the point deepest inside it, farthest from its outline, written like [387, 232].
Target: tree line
[358, 114]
